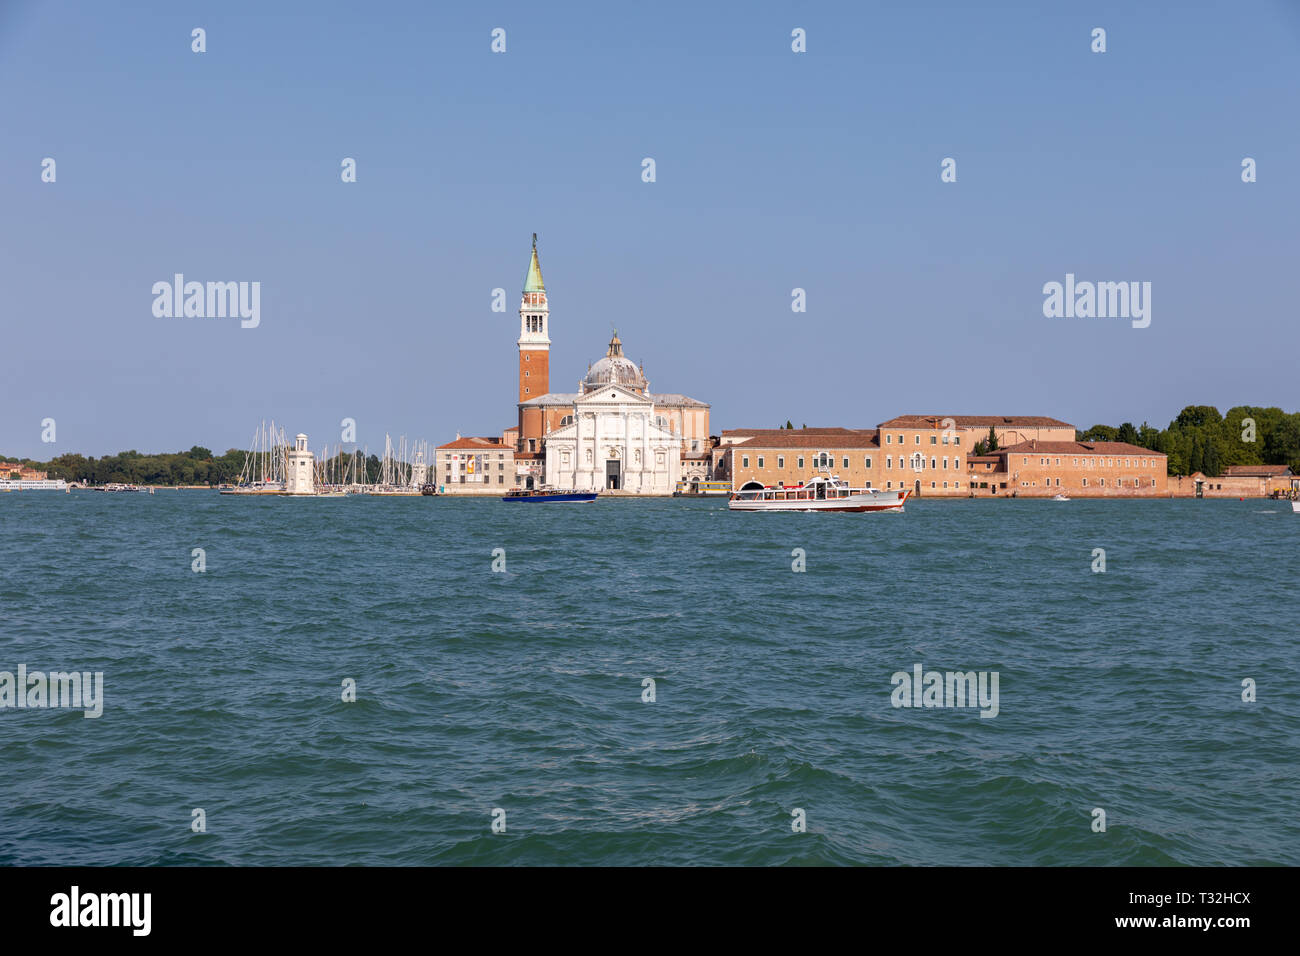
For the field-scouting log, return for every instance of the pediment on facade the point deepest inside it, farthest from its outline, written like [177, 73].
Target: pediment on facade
[564, 431]
[612, 394]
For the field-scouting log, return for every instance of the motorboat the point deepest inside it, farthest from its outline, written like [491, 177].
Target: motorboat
[820, 493]
[546, 495]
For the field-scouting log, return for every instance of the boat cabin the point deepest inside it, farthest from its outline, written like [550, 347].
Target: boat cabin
[814, 489]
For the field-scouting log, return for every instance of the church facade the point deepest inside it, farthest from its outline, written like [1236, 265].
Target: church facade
[613, 433]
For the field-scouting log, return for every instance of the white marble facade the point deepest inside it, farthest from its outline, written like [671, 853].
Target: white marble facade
[613, 443]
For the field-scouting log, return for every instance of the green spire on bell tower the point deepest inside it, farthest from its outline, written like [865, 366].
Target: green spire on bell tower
[534, 281]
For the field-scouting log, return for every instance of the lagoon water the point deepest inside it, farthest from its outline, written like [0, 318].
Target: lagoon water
[522, 690]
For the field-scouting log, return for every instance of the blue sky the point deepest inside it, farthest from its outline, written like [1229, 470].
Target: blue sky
[775, 170]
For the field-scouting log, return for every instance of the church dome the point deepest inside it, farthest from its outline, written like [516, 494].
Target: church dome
[615, 369]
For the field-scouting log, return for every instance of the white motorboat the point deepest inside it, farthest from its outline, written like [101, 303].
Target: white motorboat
[1061, 497]
[821, 493]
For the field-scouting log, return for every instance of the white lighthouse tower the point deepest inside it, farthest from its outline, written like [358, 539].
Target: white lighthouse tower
[301, 476]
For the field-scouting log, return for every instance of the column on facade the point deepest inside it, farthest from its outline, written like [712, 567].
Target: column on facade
[627, 447]
[595, 449]
[645, 444]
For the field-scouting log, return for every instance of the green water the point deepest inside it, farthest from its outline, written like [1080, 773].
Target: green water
[522, 689]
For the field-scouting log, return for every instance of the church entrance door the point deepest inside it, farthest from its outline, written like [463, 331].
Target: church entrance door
[613, 472]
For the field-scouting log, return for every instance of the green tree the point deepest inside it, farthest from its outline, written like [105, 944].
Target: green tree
[1100, 433]
[1210, 461]
[1196, 455]
[1197, 416]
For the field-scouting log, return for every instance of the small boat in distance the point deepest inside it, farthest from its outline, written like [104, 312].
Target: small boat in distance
[549, 495]
[820, 493]
[699, 488]
[1061, 497]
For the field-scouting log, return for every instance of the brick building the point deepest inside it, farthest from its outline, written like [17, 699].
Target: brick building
[17, 471]
[1110, 469]
[927, 454]
[474, 466]
[1238, 481]
[779, 456]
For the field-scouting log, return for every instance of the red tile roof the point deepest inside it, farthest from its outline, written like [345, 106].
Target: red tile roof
[1034, 447]
[741, 432]
[494, 443]
[975, 421]
[814, 438]
[1256, 471]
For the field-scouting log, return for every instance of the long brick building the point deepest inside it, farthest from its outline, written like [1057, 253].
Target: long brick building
[934, 456]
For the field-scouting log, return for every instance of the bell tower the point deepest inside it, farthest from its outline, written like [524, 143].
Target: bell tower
[534, 340]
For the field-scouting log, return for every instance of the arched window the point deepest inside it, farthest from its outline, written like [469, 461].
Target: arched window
[918, 462]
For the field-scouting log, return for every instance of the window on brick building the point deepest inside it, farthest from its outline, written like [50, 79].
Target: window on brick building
[801, 462]
[760, 461]
[866, 463]
[780, 461]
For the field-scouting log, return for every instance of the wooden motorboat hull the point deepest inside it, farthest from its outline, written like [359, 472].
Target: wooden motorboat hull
[566, 496]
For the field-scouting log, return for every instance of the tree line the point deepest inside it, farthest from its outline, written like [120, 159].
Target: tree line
[1201, 439]
[198, 466]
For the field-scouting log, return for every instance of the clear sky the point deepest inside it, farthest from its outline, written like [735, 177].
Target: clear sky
[775, 170]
